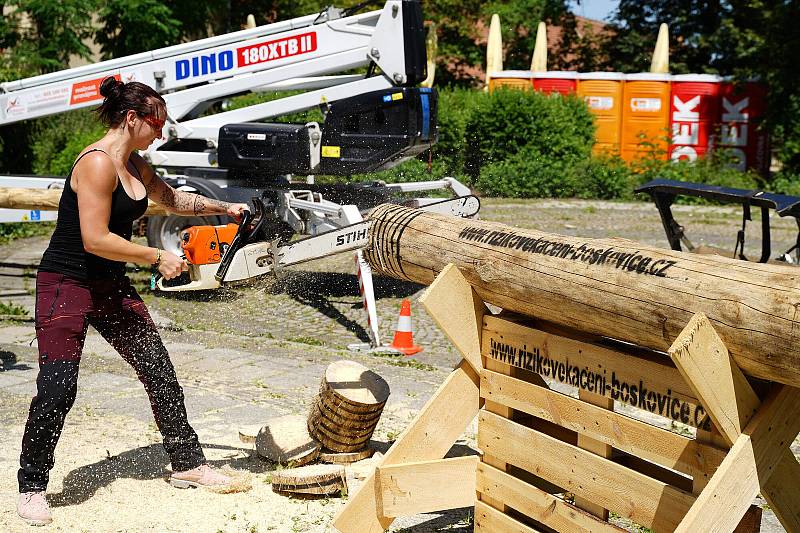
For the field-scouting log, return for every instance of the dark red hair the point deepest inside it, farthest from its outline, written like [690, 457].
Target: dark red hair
[120, 97]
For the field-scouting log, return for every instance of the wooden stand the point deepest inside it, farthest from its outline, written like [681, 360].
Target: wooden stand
[558, 462]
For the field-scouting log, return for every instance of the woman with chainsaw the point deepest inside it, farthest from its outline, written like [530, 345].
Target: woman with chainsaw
[81, 281]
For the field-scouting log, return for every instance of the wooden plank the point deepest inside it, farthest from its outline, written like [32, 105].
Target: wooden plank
[458, 311]
[597, 447]
[631, 436]
[714, 438]
[429, 436]
[704, 362]
[630, 494]
[427, 486]
[505, 412]
[759, 451]
[653, 385]
[531, 501]
[490, 520]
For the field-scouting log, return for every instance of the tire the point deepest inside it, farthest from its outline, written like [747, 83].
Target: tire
[165, 231]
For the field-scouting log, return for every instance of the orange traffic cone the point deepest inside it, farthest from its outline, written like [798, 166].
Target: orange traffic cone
[403, 337]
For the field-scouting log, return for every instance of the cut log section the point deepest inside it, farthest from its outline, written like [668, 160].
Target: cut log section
[338, 406]
[286, 440]
[313, 479]
[346, 419]
[248, 434]
[355, 385]
[346, 458]
[612, 287]
[348, 407]
[355, 425]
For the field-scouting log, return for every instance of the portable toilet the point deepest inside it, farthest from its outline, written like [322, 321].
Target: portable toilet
[694, 115]
[602, 92]
[645, 116]
[742, 106]
[555, 81]
[513, 79]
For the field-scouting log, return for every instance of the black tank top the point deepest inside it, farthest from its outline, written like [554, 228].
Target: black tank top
[66, 254]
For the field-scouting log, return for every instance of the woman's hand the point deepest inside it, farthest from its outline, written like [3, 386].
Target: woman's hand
[236, 210]
[171, 265]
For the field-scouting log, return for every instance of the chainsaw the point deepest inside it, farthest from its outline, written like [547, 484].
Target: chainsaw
[235, 252]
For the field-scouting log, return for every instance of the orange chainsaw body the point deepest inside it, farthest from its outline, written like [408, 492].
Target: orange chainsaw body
[203, 245]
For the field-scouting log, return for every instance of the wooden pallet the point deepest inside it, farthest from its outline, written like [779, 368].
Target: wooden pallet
[553, 461]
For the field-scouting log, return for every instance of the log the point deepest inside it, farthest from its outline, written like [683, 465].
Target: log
[47, 200]
[611, 287]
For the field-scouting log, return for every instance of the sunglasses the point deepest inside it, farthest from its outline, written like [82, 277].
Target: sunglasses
[157, 124]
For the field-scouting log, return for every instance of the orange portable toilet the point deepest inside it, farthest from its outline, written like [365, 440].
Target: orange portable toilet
[555, 81]
[513, 79]
[645, 116]
[694, 113]
[602, 92]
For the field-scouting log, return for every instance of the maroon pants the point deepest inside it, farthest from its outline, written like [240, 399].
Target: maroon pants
[65, 307]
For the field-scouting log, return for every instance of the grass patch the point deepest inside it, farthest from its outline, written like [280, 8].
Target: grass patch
[22, 230]
[393, 360]
[11, 309]
[311, 341]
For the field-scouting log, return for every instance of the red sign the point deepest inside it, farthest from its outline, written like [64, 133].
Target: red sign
[277, 49]
[87, 91]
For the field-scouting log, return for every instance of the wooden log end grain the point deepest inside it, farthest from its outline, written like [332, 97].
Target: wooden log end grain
[313, 479]
[356, 384]
[286, 440]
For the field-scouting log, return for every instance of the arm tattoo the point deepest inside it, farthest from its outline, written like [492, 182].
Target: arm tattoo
[198, 204]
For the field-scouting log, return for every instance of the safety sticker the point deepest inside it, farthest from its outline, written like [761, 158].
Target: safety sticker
[331, 151]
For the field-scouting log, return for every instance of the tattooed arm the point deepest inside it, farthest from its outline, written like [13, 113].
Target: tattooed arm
[182, 202]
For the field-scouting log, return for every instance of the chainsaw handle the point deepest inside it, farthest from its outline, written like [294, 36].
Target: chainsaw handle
[238, 241]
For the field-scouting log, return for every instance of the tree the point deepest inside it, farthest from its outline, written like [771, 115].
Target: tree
[56, 32]
[132, 26]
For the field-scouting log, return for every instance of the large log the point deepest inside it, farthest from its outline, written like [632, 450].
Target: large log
[47, 200]
[611, 287]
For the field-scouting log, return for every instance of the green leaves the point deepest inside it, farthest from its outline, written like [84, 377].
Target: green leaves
[133, 26]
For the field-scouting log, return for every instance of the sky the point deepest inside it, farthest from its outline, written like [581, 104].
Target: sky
[594, 9]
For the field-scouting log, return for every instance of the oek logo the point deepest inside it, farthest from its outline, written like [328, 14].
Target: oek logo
[204, 64]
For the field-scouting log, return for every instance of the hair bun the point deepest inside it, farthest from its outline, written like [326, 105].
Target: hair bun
[110, 86]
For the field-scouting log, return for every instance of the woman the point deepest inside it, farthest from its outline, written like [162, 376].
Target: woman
[81, 281]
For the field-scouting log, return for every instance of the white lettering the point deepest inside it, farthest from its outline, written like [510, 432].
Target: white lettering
[685, 112]
[684, 152]
[733, 112]
[686, 133]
